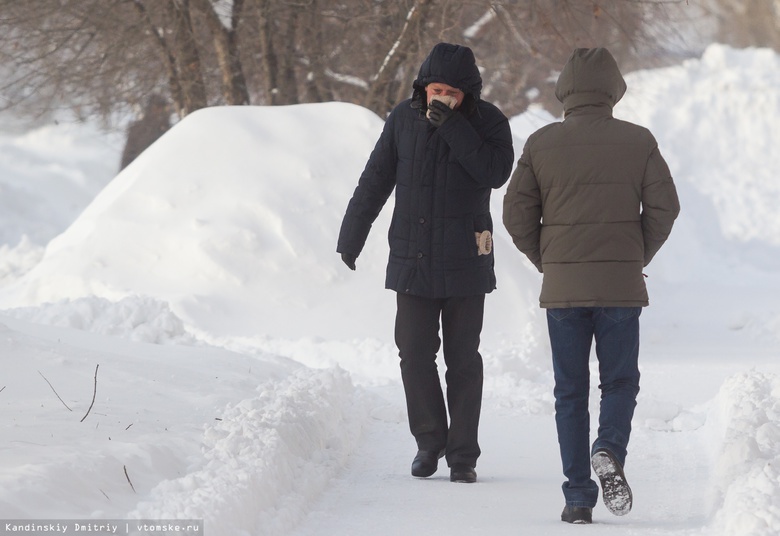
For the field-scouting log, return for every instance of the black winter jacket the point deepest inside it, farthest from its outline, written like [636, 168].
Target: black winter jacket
[442, 179]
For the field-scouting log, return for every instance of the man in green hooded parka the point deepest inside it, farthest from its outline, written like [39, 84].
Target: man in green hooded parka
[590, 203]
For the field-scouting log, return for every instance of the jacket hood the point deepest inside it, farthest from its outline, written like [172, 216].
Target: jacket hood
[453, 65]
[590, 77]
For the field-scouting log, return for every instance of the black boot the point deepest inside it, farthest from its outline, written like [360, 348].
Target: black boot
[614, 488]
[426, 462]
[463, 473]
[579, 515]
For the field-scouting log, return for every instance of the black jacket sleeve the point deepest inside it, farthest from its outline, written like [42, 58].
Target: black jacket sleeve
[488, 161]
[374, 188]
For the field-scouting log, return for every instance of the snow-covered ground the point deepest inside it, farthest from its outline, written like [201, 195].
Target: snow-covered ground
[182, 341]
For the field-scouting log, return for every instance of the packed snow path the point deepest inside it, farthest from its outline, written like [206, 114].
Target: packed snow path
[519, 478]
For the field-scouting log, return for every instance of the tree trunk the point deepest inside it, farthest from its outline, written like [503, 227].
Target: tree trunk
[187, 56]
[234, 87]
[382, 92]
[316, 90]
[176, 93]
[267, 54]
[286, 63]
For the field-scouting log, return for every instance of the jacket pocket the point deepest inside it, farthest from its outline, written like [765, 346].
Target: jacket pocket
[458, 239]
[399, 236]
[619, 314]
[483, 222]
[562, 313]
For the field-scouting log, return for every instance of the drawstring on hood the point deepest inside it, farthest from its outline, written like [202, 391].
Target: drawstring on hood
[590, 77]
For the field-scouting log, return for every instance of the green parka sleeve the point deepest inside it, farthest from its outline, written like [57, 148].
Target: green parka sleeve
[522, 213]
[660, 204]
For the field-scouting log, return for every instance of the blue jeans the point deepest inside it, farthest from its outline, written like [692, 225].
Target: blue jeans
[572, 330]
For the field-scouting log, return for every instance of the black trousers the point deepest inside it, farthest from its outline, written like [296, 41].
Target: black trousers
[417, 338]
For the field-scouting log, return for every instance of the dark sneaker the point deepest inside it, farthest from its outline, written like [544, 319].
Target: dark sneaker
[426, 462]
[579, 515]
[614, 487]
[463, 473]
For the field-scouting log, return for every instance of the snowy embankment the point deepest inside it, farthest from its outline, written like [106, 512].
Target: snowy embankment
[716, 120]
[242, 367]
[747, 468]
[174, 432]
[268, 457]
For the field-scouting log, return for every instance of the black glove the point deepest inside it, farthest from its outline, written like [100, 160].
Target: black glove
[349, 260]
[438, 113]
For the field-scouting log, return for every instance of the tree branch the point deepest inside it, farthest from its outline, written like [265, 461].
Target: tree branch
[94, 393]
[128, 479]
[55, 391]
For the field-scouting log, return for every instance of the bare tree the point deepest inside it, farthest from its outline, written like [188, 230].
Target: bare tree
[65, 52]
[99, 57]
[178, 21]
[744, 24]
[234, 86]
[381, 94]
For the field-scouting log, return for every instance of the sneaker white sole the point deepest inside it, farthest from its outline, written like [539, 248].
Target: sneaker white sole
[614, 488]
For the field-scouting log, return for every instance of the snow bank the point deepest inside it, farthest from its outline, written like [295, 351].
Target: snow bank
[267, 458]
[65, 456]
[232, 218]
[747, 468]
[48, 176]
[15, 261]
[137, 318]
[715, 119]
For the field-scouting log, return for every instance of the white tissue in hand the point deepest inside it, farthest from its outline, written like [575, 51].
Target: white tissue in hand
[449, 100]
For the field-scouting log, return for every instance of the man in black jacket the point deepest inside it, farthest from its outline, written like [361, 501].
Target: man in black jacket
[443, 151]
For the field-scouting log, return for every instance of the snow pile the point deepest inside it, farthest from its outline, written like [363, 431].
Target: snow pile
[267, 458]
[16, 261]
[140, 319]
[715, 120]
[48, 176]
[93, 423]
[747, 471]
[369, 361]
[239, 236]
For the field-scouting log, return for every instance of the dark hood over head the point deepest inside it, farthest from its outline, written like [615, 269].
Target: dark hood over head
[453, 65]
[590, 76]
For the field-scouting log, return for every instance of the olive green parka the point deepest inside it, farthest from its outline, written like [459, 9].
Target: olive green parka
[591, 200]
